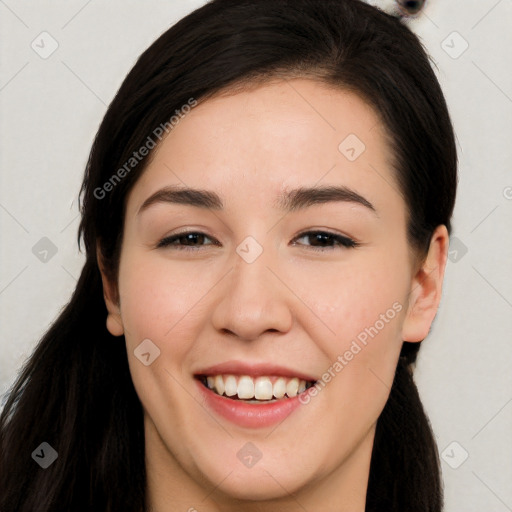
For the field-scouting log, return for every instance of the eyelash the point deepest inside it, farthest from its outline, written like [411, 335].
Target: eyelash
[343, 242]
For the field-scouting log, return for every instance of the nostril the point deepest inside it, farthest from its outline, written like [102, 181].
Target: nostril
[411, 7]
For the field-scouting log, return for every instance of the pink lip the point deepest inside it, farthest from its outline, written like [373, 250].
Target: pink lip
[253, 370]
[249, 415]
[245, 414]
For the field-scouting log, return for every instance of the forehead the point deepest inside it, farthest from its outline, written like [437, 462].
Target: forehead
[266, 139]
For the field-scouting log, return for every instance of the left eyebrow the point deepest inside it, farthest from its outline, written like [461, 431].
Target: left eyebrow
[291, 200]
[302, 197]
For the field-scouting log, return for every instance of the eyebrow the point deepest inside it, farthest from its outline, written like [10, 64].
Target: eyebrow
[291, 200]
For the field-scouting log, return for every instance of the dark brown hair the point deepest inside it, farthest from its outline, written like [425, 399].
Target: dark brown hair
[75, 392]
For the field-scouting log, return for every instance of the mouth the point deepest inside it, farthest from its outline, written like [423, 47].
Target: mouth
[255, 390]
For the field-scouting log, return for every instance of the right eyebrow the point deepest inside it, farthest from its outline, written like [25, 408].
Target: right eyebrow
[187, 196]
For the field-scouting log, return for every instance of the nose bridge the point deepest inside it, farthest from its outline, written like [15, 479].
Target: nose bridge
[251, 275]
[253, 300]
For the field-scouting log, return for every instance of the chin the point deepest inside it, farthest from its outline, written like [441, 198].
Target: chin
[259, 485]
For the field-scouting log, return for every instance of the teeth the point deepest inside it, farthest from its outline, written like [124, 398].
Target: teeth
[280, 387]
[218, 384]
[245, 388]
[293, 387]
[231, 387]
[261, 388]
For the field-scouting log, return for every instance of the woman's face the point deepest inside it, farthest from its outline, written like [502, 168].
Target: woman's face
[286, 263]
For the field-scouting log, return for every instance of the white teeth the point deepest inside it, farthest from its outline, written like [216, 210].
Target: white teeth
[280, 387]
[260, 388]
[245, 387]
[219, 384]
[230, 385]
[292, 387]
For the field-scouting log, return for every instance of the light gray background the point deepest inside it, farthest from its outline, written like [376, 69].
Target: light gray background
[50, 110]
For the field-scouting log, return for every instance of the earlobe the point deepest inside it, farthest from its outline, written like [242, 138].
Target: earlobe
[426, 288]
[114, 320]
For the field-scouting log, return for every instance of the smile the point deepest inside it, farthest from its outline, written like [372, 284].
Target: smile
[255, 390]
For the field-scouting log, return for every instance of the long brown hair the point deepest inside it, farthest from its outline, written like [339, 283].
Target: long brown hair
[75, 391]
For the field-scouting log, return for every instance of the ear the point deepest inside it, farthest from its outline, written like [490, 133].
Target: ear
[114, 320]
[426, 288]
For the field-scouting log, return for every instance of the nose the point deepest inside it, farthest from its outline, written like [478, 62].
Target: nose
[253, 300]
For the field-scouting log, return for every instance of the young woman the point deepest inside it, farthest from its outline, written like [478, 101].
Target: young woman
[266, 211]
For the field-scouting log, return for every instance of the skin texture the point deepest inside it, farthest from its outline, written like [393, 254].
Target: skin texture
[296, 305]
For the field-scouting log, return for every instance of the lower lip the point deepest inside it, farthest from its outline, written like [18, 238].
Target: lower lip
[249, 415]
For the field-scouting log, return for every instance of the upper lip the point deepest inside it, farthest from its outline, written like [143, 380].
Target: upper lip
[253, 370]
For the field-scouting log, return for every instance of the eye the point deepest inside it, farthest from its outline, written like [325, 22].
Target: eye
[324, 240]
[318, 240]
[188, 241]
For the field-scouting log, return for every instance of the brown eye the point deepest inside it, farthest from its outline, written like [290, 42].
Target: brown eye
[324, 240]
[191, 239]
[187, 241]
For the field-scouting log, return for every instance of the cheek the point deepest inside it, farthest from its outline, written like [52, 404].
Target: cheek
[156, 297]
[364, 308]
[351, 298]
[162, 303]
[167, 303]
